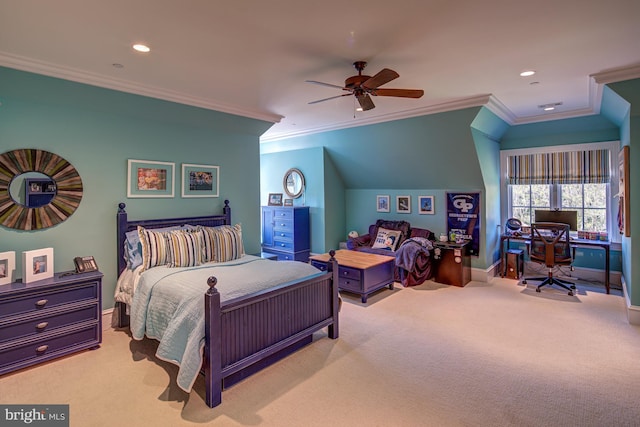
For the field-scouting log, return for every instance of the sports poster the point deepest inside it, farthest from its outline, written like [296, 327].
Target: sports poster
[463, 218]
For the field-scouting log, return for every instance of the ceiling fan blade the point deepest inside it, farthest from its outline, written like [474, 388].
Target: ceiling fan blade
[365, 102]
[326, 84]
[403, 93]
[383, 77]
[332, 97]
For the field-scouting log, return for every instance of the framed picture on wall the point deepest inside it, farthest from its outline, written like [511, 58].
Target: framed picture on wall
[382, 203]
[403, 204]
[147, 178]
[200, 180]
[624, 209]
[425, 205]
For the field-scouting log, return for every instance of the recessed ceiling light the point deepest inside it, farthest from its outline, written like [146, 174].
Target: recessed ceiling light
[550, 107]
[359, 109]
[141, 48]
[527, 73]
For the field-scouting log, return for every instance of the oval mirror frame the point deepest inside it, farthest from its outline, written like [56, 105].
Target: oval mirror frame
[293, 183]
[62, 205]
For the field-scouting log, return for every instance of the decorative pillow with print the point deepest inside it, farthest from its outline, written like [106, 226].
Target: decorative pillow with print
[387, 239]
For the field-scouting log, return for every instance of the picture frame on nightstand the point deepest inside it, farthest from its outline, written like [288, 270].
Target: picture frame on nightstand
[7, 267]
[37, 265]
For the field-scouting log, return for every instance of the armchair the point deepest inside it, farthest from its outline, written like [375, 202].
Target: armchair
[550, 245]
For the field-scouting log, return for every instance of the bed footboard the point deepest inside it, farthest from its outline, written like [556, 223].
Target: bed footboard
[247, 334]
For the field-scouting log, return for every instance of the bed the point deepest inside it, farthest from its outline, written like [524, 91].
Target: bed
[243, 332]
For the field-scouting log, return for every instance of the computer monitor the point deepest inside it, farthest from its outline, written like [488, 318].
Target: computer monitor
[564, 217]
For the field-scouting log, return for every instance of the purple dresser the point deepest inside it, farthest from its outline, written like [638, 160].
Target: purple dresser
[49, 318]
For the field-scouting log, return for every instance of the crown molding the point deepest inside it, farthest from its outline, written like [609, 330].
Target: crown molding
[457, 104]
[80, 76]
[615, 75]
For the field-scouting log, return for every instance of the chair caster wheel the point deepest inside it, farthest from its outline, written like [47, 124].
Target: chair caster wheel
[537, 290]
[570, 293]
[524, 282]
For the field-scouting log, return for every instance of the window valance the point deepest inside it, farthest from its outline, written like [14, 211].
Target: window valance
[571, 167]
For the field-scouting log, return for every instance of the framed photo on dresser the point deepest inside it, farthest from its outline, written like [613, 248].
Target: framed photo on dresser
[37, 265]
[7, 267]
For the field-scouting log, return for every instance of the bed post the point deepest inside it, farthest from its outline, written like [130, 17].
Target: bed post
[121, 224]
[213, 345]
[333, 267]
[226, 211]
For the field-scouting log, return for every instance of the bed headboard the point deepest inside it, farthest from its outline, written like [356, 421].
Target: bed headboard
[124, 225]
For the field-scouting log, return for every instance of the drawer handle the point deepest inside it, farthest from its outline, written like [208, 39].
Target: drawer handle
[282, 244]
[282, 234]
[42, 325]
[42, 348]
[345, 273]
[282, 225]
[42, 302]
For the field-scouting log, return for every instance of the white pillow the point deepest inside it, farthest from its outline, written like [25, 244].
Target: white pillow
[387, 239]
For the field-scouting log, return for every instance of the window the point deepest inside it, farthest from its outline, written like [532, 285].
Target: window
[590, 200]
[575, 177]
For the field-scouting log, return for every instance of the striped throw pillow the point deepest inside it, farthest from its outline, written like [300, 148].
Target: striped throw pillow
[155, 248]
[222, 243]
[185, 248]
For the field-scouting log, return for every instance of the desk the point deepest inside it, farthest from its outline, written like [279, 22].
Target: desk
[604, 244]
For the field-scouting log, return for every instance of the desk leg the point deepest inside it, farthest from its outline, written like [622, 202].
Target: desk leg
[606, 268]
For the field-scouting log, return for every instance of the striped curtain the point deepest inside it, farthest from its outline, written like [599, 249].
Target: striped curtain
[571, 167]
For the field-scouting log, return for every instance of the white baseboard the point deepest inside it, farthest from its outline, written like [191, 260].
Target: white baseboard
[633, 311]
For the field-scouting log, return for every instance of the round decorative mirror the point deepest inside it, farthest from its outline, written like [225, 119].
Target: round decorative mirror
[38, 189]
[293, 183]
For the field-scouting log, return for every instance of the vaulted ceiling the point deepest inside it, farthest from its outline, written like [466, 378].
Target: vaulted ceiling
[252, 58]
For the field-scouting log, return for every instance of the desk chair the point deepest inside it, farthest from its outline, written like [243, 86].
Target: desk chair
[550, 246]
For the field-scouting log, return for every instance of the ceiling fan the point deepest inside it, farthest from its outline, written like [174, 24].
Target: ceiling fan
[363, 86]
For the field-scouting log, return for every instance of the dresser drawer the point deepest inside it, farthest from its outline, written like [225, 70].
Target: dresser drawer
[283, 235]
[282, 225]
[279, 214]
[283, 246]
[46, 320]
[17, 354]
[33, 301]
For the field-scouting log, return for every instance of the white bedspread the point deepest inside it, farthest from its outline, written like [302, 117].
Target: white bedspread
[168, 304]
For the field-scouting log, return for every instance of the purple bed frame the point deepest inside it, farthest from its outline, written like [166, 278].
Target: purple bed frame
[247, 334]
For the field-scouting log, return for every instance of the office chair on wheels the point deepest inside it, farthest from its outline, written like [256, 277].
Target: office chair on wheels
[550, 246]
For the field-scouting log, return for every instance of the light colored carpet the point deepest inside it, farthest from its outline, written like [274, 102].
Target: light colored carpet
[496, 354]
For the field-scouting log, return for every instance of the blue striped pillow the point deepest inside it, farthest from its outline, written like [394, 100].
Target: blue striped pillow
[155, 250]
[185, 248]
[222, 243]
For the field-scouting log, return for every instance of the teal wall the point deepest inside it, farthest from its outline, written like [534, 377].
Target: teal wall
[430, 155]
[421, 156]
[97, 131]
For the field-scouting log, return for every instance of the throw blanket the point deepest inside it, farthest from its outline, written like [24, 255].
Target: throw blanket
[408, 252]
[168, 304]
